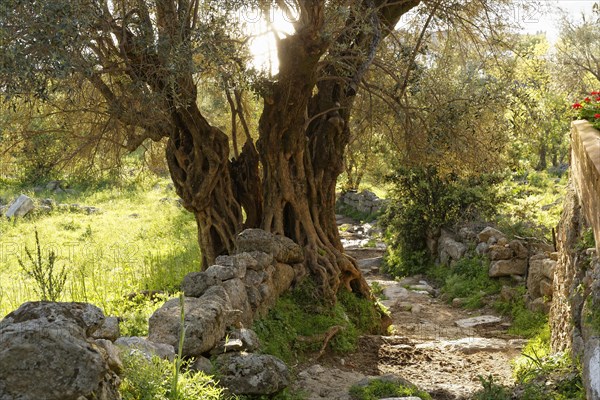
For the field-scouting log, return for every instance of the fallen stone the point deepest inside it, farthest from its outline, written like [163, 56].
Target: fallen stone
[252, 374]
[484, 320]
[508, 267]
[20, 207]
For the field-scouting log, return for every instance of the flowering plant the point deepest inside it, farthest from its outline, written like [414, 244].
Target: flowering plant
[589, 108]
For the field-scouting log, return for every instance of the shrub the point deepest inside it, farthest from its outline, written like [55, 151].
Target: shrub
[423, 200]
[50, 282]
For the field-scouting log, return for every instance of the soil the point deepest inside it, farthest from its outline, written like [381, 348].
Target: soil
[427, 347]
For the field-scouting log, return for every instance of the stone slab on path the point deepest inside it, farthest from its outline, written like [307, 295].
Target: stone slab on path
[469, 345]
[483, 320]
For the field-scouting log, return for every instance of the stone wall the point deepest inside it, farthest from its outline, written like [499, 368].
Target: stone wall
[365, 202]
[577, 274]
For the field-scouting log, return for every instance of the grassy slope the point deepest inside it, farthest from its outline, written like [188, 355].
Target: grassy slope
[137, 242]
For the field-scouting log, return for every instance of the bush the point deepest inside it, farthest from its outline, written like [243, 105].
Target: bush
[467, 279]
[423, 200]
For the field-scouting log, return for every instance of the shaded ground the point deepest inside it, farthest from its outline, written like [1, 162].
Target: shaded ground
[427, 347]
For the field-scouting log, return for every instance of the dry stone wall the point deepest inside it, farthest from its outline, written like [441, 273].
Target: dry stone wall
[575, 312]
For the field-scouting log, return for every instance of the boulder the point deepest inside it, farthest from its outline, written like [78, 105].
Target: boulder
[546, 288]
[540, 269]
[206, 319]
[45, 353]
[489, 232]
[497, 252]
[483, 320]
[252, 374]
[242, 260]
[248, 337]
[146, 347]
[508, 267]
[282, 248]
[20, 207]
[202, 364]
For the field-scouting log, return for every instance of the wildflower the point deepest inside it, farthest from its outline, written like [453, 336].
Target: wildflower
[587, 99]
[596, 115]
[577, 106]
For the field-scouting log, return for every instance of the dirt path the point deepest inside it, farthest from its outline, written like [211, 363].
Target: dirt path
[432, 346]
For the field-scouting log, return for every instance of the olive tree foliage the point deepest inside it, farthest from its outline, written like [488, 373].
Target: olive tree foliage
[436, 96]
[578, 53]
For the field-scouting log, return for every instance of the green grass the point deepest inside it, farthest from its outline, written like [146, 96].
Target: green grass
[468, 279]
[380, 388]
[137, 242]
[533, 204]
[301, 314]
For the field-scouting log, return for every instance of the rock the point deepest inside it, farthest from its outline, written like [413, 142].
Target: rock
[202, 364]
[228, 346]
[508, 267]
[223, 273]
[518, 248]
[282, 278]
[48, 202]
[242, 260]
[450, 249]
[252, 374]
[195, 284]
[546, 288]
[43, 210]
[508, 293]
[282, 248]
[539, 305]
[20, 207]
[482, 248]
[404, 306]
[45, 354]
[483, 320]
[497, 252]
[502, 241]
[540, 269]
[422, 288]
[458, 302]
[591, 368]
[205, 320]
[54, 185]
[263, 260]
[489, 232]
[146, 347]
[249, 338]
[238, 299]
[368, 264]
[468, 345]
[108, 330]
[111, 353]
[467, 234]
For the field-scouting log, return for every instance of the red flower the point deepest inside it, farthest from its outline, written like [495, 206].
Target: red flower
[595, 93]
[596, 115]
[587, 100]
[598, 99]
[577, 106]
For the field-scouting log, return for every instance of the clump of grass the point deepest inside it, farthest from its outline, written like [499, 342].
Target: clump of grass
[525, 323]
[380, 388]
[300, 315]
